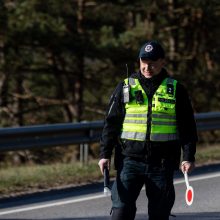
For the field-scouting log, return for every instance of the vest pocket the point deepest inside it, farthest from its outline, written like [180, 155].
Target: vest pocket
[165, 105]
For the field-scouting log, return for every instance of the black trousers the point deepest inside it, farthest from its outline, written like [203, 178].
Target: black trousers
[157, 177]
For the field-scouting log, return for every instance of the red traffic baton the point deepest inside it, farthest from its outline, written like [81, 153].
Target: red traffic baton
[107, 191]
[189, 195]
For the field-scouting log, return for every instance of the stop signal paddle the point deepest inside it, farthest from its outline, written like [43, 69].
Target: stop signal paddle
[189, 191]
[107, 191]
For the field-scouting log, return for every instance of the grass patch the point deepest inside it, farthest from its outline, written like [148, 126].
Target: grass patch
[30, 178]
[208, 154]
[27, 178]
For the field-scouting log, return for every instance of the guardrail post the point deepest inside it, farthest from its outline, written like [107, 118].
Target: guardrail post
[84, 151]
[81, 154]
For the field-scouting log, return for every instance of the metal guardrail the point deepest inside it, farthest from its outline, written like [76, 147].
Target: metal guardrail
[29, 137]
[208, 121]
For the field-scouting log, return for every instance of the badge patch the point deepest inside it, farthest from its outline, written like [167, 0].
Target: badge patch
[170, 101]
[148, 48]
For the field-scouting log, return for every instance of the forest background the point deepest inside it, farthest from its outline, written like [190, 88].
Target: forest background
[60, 60]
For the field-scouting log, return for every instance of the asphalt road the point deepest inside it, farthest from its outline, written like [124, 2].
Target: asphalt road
[89, 203]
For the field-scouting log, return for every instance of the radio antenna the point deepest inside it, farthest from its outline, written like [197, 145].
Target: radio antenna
[127, 69]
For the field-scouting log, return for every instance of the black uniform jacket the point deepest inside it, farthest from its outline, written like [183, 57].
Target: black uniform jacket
[148, 150]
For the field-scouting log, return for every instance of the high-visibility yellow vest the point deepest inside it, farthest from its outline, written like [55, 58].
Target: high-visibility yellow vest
[161, 118]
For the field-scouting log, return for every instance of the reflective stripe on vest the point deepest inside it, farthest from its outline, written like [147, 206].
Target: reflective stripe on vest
[163, 117]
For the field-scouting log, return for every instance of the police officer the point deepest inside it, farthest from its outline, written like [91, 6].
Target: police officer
[148, 121]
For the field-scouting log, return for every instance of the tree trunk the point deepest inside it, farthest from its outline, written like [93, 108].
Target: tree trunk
[173, 38]
[78, 85]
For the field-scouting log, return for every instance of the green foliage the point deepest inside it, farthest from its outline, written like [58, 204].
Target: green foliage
[61, 60]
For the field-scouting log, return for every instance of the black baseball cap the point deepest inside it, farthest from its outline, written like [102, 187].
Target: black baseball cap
[151, 50]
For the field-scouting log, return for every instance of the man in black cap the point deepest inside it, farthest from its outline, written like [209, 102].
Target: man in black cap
[148, 121]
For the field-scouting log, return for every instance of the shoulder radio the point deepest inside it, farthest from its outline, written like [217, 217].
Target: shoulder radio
[126, 89]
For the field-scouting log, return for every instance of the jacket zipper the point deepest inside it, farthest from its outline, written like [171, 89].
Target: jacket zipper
[149, 118]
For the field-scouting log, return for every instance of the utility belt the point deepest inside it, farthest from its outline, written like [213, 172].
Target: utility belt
[155, 161]
[147, 160]
[158, 162]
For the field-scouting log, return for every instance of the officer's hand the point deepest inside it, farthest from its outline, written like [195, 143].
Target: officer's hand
[102, 163]
[187, 166]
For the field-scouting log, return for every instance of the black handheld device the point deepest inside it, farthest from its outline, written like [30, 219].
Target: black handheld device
[107, 190]
[139, 97]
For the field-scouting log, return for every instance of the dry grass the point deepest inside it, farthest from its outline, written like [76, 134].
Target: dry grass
[208, 154]
[26, 178]
[41, 177]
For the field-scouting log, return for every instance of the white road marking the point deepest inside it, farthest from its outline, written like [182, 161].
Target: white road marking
[52, 204]
[196, 178]
[71, 201]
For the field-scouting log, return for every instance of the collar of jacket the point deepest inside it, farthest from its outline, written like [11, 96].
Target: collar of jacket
[155, 79]
[150, 85]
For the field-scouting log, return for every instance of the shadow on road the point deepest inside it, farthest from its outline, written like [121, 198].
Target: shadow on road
[179, 216]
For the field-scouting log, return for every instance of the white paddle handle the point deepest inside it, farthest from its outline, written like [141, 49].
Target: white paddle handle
[186, 179]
